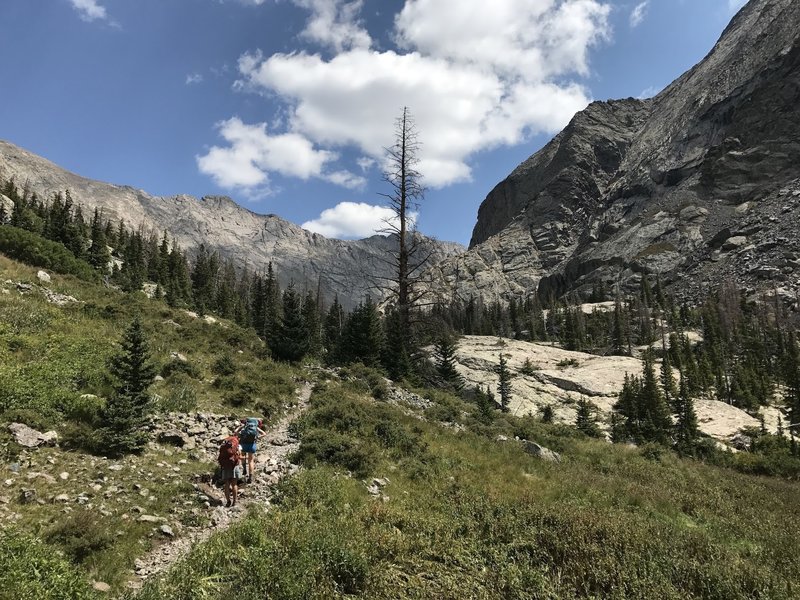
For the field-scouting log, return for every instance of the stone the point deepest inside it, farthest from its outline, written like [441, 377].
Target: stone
[27, 496]
[43, 276]
[149, 519]
[101, 586]
[541, 452]
[29, 437]
[741, 442]
[63, 476]
[61, 498]
[732, 243]
[173, 437]
[178, 356]
[166, 530]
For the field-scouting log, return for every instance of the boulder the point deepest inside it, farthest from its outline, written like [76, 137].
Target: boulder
[173, 437]
[541, 452]
[43, 276]
[30, 438]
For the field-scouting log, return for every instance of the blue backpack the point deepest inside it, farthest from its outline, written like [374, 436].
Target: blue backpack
[249, 434]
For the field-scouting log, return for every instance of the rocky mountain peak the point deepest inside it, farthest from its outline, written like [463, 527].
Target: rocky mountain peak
[634, 186]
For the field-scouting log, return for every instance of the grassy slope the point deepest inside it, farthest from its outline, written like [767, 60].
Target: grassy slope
[49, 357]
[471, 517]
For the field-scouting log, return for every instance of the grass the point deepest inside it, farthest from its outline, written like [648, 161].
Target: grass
[468, 517]
[53, 375]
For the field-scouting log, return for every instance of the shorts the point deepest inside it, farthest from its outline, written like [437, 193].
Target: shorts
[248, 448]
[231, 473]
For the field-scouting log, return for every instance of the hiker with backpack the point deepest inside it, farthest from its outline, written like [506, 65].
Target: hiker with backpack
[229, 457]
[249, 432]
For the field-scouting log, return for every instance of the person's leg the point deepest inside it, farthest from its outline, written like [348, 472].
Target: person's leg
[251, 463]
[235, 486]
[226, 487]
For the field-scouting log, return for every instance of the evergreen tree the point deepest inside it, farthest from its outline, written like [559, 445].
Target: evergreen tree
[334, 323]
[486, 405]
[686, 432]
[312, 320]
[362, 336]
[272, 306]
[547, 413]
[655, 422]
[125, 414]
[791, 376]
[504, 383]
[445, 351]
[291, 341]
[668, 382]
[99, 255]
[585, 419]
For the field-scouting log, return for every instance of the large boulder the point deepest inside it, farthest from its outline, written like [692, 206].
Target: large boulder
[30, 438]
[541, 452]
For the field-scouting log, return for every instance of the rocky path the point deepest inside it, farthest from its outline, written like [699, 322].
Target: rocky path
[272, 466]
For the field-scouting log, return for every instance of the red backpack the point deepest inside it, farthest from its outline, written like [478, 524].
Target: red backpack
[229, 454]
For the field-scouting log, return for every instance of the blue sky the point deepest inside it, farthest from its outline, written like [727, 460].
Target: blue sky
[285, 105]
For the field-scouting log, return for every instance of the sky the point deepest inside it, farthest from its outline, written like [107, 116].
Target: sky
[287, 106]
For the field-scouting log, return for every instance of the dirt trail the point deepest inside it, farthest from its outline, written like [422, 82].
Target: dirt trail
[272, 466]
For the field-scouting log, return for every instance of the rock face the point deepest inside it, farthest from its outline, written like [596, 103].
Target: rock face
[346, 268]
[700, 183]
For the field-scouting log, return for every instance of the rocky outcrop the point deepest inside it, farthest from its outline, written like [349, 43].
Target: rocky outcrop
[699, 183]
[348, 269]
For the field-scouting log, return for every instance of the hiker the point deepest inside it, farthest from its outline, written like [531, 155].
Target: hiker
[249, 432]
[228, 459]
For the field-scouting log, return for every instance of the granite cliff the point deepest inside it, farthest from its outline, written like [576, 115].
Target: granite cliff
[700, 183]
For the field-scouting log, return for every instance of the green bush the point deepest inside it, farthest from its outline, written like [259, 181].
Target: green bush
[37, 251]
[31, 418]
[81, 535]
[331, 447]
[30, 570]
[224, 365]
[175, 367]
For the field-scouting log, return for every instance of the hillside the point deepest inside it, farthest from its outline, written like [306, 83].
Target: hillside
[699, 183]
[401, 493]
[347, 269]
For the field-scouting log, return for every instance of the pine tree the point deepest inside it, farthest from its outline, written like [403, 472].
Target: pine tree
[655, 422]
[312, 320]
[504, 383]
[486, 405]
[445, 350]
[686, 432]
[585, 419]
[291, 341]
[334, 323]
[125, 414]
[99, 255]
[791, 376]
[362, 336]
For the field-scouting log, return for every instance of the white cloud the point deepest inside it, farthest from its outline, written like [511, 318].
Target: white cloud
[89, 10]
[496, 74]
[366, 163]
[194, 78]
[335, 24]
[350, 220]
[638, 13]
[252, 154]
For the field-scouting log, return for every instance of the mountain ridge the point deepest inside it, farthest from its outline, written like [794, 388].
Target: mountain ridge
[659, 185]
[346, 269]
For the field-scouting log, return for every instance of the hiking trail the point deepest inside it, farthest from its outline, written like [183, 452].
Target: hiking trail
[272, 465]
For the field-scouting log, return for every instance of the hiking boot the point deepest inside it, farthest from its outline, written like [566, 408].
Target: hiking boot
[228, 504]
[249, 479]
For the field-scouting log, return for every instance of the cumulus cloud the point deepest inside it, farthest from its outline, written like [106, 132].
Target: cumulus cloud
[194, 78]
[89, 10]
[475, 75]
[638, 13]
[497, 73]
[353, 220]
[252, 154]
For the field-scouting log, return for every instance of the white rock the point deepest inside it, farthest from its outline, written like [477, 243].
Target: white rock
[43, 276]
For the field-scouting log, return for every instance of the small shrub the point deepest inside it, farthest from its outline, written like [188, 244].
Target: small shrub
[85, 409]
[528, 368]
[224, 365]
[568, 362]
[181, 398]
[175, 367]
[652, 451]
[81, 535]
[29, 417]
[319, 445]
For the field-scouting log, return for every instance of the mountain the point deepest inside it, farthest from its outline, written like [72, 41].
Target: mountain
[699, 184]
[348, 269]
